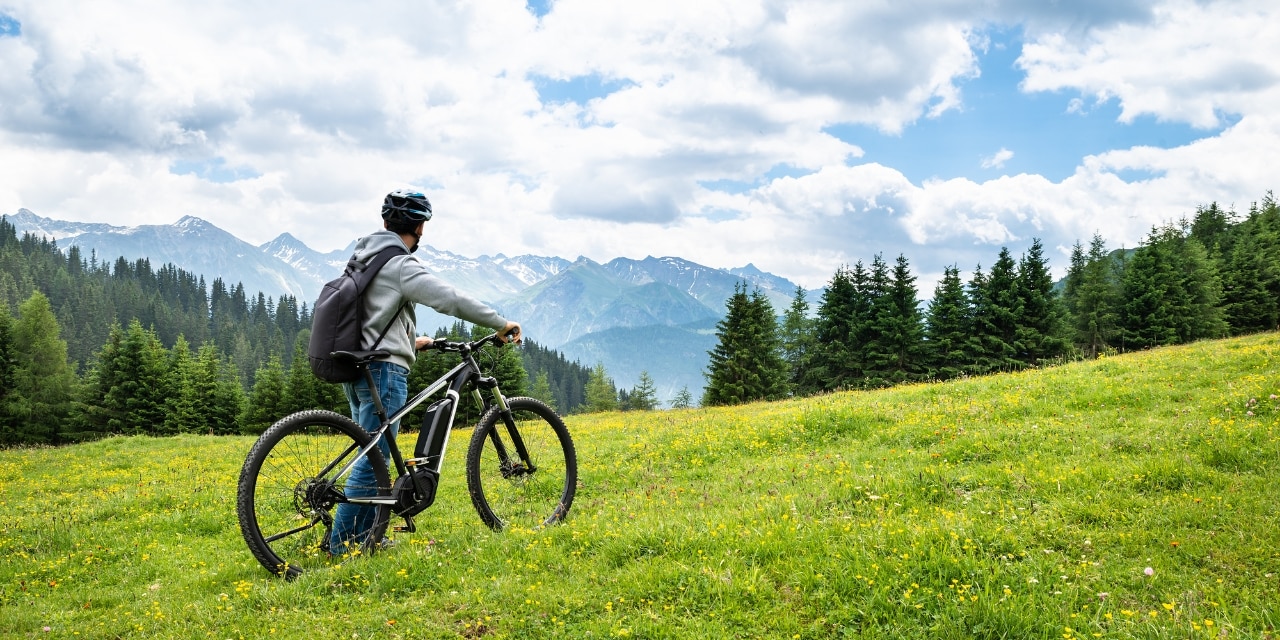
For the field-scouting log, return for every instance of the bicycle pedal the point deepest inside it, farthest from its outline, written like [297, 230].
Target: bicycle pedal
[408, 527]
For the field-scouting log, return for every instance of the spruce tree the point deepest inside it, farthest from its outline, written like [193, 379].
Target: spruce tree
[1172, 291]
[218, 387]
[798, 340]
[266, 400]
[989, 348]
[832, 364]
[729, 373]
[182, 407]
[1248, 305]
[8, 365]
[747, 363]
[541, 389]
[43, 382]
[1039, 334]
[644, 396]
[1150, 283]
[767, 354]
[901, 328]
[683, 399]
[303, 390]
[1094, 315]
[1251, 276]
[1211, 226]
[948, 326]
[872, 339]
[602, 395]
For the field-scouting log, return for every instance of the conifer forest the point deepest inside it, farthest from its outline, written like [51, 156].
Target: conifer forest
[92, 346]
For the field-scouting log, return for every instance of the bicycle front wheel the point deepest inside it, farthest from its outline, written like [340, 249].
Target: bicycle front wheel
[293, 488]
[522, 473]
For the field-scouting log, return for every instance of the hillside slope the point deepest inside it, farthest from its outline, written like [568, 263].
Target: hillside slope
[1125, 497]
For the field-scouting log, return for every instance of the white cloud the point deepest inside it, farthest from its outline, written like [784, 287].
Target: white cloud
[997, 160]
[1191, 63]
[325, 109]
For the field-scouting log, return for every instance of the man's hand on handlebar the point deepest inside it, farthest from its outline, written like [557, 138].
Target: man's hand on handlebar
[422, 343]
[511, 333]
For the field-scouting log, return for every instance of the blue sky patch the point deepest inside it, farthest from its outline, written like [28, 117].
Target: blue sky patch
[212, 170]
[999, 130]
[578, 89]
[741, 186]
[9, 26]
[538, 8]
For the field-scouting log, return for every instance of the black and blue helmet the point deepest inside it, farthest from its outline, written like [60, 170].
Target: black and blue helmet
[403, 208]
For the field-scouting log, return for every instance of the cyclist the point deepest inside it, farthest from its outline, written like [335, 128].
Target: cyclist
[390, 298]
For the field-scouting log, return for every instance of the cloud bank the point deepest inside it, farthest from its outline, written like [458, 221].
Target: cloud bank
[608, 129]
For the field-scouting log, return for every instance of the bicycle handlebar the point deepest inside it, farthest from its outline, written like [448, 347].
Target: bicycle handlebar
[460, 347]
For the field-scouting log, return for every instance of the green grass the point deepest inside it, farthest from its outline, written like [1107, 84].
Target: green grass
[1015, 506]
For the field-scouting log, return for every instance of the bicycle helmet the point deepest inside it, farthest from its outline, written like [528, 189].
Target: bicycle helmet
[405, 209]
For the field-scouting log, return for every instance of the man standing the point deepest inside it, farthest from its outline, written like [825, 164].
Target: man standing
[388, 305]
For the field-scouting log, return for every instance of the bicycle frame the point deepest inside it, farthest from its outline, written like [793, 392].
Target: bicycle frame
[466, 371]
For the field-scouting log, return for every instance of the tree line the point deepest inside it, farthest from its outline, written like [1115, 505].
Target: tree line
[98, 348]
[1213, 276]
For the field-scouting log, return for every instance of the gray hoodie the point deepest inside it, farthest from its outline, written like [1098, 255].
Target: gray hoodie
[405, 279]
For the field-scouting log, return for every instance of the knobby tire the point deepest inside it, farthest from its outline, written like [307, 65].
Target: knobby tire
[284, 499]
[504, 492]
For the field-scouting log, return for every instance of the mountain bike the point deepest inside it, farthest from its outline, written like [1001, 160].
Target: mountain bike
[521, 468]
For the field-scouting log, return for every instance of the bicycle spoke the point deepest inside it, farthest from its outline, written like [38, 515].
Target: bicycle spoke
[289, 492]
[526, 491]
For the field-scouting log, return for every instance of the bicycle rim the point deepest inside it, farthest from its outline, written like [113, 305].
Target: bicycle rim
[289, 488]
[504, 491]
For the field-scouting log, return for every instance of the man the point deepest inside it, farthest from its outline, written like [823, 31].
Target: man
[389, 302]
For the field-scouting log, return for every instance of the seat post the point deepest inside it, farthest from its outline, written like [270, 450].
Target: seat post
[373, 392]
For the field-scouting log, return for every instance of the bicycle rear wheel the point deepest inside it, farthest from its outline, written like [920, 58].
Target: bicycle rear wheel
[523, 474]
[291, 483]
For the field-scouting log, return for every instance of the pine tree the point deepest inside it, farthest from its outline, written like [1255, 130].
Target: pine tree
[43, 382]
[8, 365]
[601, 393]
[1094, 317]
[1040, 327]
[683, 399]
[995, 309]
[1173, 291]
[798, 339]
[541, 389]
[182, 413]
[217, 385]
[644, 396]
[1211, 227]
[948, 326]
[833, 364]
[895, 347]
[747, 363]
[266, 400]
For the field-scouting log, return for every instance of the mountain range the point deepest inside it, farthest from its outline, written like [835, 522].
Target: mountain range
[656, 314]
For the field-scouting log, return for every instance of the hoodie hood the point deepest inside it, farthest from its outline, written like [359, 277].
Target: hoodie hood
[371, 244]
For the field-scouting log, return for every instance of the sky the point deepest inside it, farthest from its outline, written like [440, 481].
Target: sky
[796, 135]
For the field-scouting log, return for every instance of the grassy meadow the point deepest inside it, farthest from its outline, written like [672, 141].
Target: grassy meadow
[1129, 497]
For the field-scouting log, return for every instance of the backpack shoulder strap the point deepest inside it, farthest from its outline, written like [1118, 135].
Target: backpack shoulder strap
[363, 273]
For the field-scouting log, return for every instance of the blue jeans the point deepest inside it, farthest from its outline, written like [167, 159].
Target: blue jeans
[351, 522]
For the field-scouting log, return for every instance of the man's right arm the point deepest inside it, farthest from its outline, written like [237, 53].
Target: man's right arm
[420, 286]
